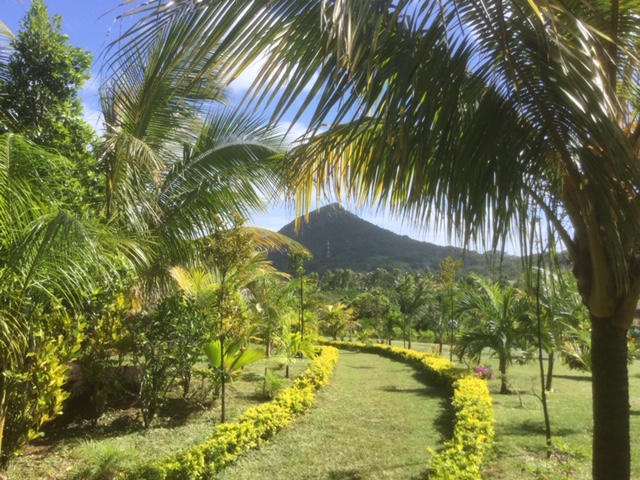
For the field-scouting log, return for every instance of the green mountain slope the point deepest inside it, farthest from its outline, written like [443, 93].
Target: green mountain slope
[340, 239]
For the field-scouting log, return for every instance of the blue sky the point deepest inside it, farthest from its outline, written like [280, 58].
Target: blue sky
[90, 24]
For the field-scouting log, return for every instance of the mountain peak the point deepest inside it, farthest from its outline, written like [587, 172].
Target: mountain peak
[339, 239]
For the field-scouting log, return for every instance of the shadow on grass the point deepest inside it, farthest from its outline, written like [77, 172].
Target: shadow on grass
[251, 377]
[360, 474]
[573, 377]
[125, 422]
[345, 475]
[360, 367]
[634, 413]
[529, 427]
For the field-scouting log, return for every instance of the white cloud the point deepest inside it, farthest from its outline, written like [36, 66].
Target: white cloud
[243, 82]
[294, 131]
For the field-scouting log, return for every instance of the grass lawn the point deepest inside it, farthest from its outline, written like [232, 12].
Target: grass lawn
[374, 420]
[520, 441]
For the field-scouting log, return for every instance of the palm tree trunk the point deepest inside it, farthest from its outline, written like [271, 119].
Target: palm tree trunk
[611, 441]
[503, 375]
[551, 363]
[268, 342]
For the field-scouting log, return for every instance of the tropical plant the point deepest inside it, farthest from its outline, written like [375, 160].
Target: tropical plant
[497, 322]
[44, 74]
[272, 301]
[448, 270]
[575, 351]
[178, 164]
[156, 343]
[297, 257]
[218, 288]
[562, 313]
[292, 346]
[337, 319]
[413, 294]
[236, 357]
[371, 309]
[50, 261]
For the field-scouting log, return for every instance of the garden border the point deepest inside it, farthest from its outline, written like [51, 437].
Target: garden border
[251, 430]
[473, 432]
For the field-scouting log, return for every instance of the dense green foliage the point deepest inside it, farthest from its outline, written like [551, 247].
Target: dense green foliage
[39, 97]
[484, 117]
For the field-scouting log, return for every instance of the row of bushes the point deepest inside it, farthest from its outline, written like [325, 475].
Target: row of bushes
[252, 429]
[473, 433]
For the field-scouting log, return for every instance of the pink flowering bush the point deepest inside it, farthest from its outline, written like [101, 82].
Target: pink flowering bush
[484, 372]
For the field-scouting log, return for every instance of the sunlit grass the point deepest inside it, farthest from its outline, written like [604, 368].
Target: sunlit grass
[520, 433]
[374, 420]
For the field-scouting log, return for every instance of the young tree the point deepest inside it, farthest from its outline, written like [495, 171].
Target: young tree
[448, 270]
[498, 322]
[297, 257]
[412, 294]
[372, 309]
[337, 319]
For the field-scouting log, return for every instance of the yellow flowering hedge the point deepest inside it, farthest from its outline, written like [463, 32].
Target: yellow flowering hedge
[473, 432]
[253, 428]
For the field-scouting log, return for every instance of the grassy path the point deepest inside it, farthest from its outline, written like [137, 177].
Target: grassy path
[374, 420]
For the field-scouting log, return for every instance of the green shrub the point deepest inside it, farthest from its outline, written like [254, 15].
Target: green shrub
[272, 384]
[100, 461]
[33, 389]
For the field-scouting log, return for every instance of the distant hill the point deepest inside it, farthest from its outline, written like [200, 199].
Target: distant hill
[340, 239]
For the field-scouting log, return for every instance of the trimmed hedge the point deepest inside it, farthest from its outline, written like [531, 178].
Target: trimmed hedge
[473, 432]
[252, 429]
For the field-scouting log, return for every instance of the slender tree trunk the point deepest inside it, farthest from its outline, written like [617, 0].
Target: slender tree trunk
[301, 308]
[286, 374]
[453, 330]
[503, 375]
[4, 410]
[268, 342]
[552, 361]
[409, 344]
[223, 404]
[611, 440]
[543, 391]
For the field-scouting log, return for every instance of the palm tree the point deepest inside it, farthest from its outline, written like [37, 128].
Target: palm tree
[561, 312]
[337, 318]
[498, 323]
[291, 346]
[413, 295]
[178, 163]
[477, 114]
[272, 301]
